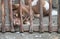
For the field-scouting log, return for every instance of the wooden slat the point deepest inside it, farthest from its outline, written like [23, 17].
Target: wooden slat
[50, 16]
[21, 20]
[11, 15]
[59, 16]
[31, 17]
[3, 16]
[41, 29]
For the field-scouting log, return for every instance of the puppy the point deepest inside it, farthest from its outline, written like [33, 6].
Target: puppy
[36, 8]
[25, 13]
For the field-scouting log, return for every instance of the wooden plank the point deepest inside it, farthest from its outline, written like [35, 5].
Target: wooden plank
[31, 17]
[41, 29]
[50, 16]
[21, 19]
[59, 16]
[11, 15]
[3, 16]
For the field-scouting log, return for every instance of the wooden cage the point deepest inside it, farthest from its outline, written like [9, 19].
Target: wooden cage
[40, 27]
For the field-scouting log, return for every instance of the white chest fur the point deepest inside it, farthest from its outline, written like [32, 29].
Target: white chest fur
[46, 5]
[34, 2]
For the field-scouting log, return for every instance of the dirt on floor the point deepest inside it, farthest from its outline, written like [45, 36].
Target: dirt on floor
[27, 35]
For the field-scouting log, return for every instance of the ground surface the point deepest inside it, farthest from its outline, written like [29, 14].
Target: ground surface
[26, 35]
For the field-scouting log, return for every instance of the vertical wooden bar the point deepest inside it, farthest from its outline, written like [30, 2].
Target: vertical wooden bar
[11, 15]
[31, 17]
[50, 16]
[41, 29]
[3, 16]
[58, 16]
[21, 20]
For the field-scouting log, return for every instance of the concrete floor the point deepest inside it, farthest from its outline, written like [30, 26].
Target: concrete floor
[26, 35]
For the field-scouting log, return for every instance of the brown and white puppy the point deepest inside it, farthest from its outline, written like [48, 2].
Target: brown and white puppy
[25, 13]
[35, 8]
